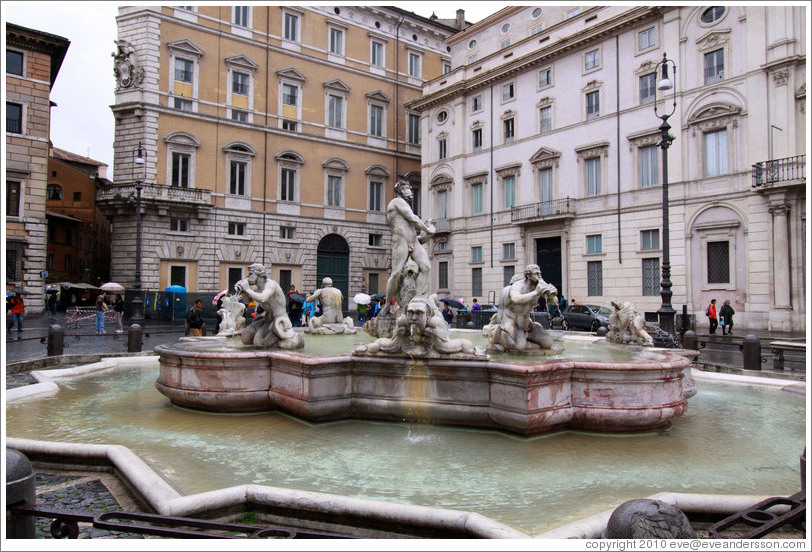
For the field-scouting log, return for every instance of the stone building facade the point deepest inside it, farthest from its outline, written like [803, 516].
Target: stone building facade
[33, 60]
[541, 146]
[270, 134]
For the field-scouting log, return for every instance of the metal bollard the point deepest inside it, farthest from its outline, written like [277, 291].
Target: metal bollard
[689, 340]
[21, 490]
[134, 341]
[56, 340]
[751, 350]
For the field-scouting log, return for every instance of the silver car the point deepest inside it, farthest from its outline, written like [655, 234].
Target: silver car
[587, 317]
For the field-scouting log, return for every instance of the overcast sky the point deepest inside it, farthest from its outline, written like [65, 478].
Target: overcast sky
[82, 122]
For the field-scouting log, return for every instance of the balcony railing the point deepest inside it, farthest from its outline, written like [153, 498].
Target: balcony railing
[543, 210]
[151, 192]
[770, 172]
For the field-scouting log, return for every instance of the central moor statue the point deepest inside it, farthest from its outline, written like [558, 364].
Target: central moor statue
[273, 327]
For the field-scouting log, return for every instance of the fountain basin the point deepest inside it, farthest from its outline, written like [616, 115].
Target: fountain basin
[529, 396]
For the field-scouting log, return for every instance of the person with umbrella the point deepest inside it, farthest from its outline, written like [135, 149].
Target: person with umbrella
[118, 307]
[448, 315]
[52, 302]
[17, 309]
[294, 306]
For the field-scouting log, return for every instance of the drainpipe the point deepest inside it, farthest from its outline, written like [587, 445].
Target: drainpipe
[265, 135]
[617, 128]
[491, 175]
[397, 97]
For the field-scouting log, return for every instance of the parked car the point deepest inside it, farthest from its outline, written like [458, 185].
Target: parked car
[587, 317]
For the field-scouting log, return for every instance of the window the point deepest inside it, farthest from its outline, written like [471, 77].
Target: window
[477, 139]
[414, 64]
[477, 191]
[288, 185]
[442, 245]
[414, 129]
[714, 66]
[241, 15]
[177, 276]
[646, 39]
[374, 282]
[12, 198]
[508, 130]
[536, 13]
[716, 152]
[14, 118]
[648, 90]
[334, 190]
[649, 240]
[572, 12]
[594, 244]
[183, 70]
[649, 168]
[51, 261]
[509, 192]
[592, 59]
[545, 77]
[545, 119]
[13, 268]
[68, 261]
[446, 68]
[178, 225]
[508, 91]
[442, 116]
[546, 190]
[441, 148]
[442, 204]
[289, 125]
[236, 228]
[507, 274]
[14, 62]
[336, 41]
[476, 254]
[336, 110]
[239, 83]
[508, 251]
[290, 94]
[594, 277]
[291, 27]
[180, 170]
[376, 240]
[285, 279]
[476, 281]
[593, 105]
[442, 275]
[183, 105]
[375, 196]
[54, 192]
[376, 54]
[504, 43]
[287, 232]
[505, 28]
[593, 176]
[376, 120]
[719, 262]
[651, 276]
[713, 14]
[237, 178]
[476, 103]
[471, 59]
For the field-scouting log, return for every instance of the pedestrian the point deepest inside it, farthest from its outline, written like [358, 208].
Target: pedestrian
[448, 315]
[476, 306]
[17, 306]
[710, 312]
[726, 317]
[52, 303]
[362, 313]
[294, 308]
[194, 318]
[101, 307]
[118, 307]
[309, 310]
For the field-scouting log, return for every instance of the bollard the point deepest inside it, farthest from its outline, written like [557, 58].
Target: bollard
[56, 340]
[134, 340]
[751, 349]
[689, 340]
[21, 490]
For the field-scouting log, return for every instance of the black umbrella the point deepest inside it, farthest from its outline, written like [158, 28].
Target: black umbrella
[452, 303]
[378, 296]
[20, 291]
[297, 298]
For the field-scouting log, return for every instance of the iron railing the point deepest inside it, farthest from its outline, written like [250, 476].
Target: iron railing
[543, 210]
[779, 170]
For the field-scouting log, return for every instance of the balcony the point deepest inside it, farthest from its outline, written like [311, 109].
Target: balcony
[555, 209]
[788, 171]
[117, 196]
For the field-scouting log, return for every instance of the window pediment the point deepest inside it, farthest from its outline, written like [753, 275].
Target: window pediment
[377, 170]
[545, 101]
[289, 156]
[592, 85]
[378, 96]
[715, 115]
[242, 62]
[511, 169]
[508, 114]
[337, 85]
[476, 178]
[713, 39]
[291, 73]
[545, 157]
[182, 139]
[185, 46]
[593, 150]
[239, 147]
[441, 182]
[645, 138]
[477, 125]
[336, 163]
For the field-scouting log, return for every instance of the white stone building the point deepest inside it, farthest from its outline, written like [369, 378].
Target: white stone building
[541, 146]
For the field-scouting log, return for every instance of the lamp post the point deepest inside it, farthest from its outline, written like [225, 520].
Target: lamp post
[137, 303]
[666, 312]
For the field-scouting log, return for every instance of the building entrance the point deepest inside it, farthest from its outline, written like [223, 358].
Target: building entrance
[548, 257]
[333, 260]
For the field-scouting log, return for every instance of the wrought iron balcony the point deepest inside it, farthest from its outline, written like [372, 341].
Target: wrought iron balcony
[788, 169]
[544, 210]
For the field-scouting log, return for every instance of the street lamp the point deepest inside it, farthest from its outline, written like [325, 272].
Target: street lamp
[666, 312]
[138, 301]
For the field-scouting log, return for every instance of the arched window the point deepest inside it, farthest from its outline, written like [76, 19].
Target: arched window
[54, 192]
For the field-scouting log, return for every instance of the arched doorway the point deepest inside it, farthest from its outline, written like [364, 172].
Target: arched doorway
[333, 260]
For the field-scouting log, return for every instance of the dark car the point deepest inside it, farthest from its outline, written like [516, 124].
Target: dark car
[587, 317]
